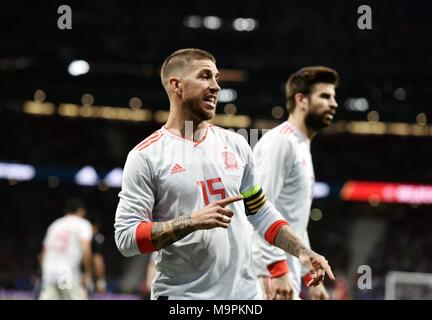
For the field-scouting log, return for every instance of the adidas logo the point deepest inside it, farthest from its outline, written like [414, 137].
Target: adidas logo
[177, 169]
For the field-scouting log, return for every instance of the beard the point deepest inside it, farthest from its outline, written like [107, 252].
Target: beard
[316, 121]
[194, 106]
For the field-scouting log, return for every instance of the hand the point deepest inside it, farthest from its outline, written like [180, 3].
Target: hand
[282, 288]
[101, 286]
[317, 266]
[87, 282]
[215, 214]
[268, 287]
[318, 293]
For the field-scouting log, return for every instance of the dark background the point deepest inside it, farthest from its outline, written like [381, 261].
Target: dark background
[125, 43]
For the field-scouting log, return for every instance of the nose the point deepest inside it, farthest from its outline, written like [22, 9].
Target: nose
[214, 86]
[333, 103]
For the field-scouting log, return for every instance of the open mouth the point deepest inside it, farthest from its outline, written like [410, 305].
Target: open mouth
[329, 116]
[210, 100]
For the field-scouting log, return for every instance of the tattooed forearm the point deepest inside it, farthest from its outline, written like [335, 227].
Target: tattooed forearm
[288, 241]
[168, 232]
[160, 235]
[182, 226]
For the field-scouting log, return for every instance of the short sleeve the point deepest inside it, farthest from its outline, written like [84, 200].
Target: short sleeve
[85, 231]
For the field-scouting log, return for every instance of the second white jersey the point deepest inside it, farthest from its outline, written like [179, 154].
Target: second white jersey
[165, 177]
[285, 171]
[62, 248]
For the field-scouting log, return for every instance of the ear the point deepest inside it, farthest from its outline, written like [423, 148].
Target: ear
[175, 85]
[301, 101]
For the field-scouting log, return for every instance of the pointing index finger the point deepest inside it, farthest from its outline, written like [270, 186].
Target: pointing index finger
[329, 272]
[229, 200]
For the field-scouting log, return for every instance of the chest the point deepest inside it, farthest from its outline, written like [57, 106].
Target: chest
[302, 171]
[200, 173]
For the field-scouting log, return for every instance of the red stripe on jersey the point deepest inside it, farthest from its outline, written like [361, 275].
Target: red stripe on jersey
[283, 128]
[151, 141]
[213, 126]
[287, 129]
[154, 134]
[279, 268]
[143, 237]
[271, 233]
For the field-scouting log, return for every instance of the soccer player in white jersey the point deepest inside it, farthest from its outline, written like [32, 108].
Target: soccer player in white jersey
[284, 164]
[189, 192]
[67, 246]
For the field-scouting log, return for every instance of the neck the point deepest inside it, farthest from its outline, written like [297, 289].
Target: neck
[185, 124]
[298, 121]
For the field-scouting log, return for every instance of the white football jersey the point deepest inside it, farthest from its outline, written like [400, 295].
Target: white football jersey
[166, 176]
[285, 171]
[62, 249]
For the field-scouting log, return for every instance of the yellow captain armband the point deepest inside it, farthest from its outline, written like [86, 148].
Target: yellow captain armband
[254, 199]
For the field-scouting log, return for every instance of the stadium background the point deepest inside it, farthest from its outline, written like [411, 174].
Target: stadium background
[64, 135]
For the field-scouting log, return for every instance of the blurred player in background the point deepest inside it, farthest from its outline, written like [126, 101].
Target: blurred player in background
[285, 168]
[67, 244]
[97, 246]
[150, 275]
[189, 191]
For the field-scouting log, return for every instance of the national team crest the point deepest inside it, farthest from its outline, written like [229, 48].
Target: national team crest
[230, 160]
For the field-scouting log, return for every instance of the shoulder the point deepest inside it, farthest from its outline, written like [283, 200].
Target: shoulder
[84, 223]
[149, 142]
[146, 149]
[281, 137]
[54, 224]
[85, 228]
[283, 132]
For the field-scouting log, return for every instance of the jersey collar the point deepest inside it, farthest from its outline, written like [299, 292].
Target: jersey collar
[195, 143]
[298, 133]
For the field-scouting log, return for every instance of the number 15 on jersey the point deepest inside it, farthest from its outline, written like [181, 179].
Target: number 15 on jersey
[207, 188]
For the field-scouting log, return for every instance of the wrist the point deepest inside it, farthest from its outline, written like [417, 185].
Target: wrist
[273, 231]
[144, 237]
[278, 268]
[307, 278]
[194, 222]
[303, 251]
